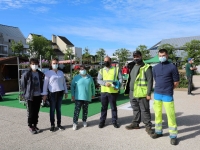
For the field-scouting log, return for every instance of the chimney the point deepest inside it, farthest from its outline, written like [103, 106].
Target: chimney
[53, 38]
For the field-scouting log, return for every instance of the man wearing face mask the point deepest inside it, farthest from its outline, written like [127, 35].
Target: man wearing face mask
[32, 87]
[106, 77]
[140, 86]
[54, 81]
[190, 72]
[82, 90]
[166, 78]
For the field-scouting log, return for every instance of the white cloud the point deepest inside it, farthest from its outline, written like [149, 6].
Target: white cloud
[78, 2]
[41, 9]
[6, 4]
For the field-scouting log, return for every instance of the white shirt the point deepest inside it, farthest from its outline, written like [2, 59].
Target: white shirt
[54, 82]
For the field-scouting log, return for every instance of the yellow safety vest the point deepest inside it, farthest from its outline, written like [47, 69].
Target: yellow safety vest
[140, 84]
[109, 77]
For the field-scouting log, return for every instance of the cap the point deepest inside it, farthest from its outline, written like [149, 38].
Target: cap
[137, 53]
[190, 59]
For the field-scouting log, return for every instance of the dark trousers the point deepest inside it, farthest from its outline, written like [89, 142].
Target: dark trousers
[190, 85]
[55, 104]
[33, 108]
[140, 109]
[78, 105]
[105, 99]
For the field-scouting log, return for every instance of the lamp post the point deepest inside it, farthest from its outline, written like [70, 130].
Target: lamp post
[70, 65]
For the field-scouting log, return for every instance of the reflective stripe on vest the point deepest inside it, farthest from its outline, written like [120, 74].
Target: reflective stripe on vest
[109, 77]
[140, 84]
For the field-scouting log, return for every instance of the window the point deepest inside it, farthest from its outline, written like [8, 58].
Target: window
[3, 49]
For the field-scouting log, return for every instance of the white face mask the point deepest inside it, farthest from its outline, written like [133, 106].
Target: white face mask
[34, 67]
[54, 66]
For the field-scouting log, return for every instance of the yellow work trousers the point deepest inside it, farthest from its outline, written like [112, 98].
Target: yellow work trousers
[171, 117]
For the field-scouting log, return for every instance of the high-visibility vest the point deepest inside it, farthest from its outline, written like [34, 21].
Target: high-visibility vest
[109, 77]
[140, 84]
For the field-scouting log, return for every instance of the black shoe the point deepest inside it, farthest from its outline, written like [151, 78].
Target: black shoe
[173, 141]
[101, 124]
[116, 125]
[155, 135]
[52, 129]
[37, 129]
[191, 94]
[61, 127]
[149, 130]
[132, 126]
[32, 130]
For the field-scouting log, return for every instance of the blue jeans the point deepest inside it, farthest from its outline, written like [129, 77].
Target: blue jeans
[55, 104]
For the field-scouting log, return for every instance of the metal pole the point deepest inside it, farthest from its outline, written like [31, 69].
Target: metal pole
[40, 62]
[101, 61]
[18, 73]
[70, 66]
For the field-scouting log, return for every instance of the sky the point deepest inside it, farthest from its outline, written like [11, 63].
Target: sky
[107, 24]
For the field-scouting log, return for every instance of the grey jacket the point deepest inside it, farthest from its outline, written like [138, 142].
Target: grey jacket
[27, 84]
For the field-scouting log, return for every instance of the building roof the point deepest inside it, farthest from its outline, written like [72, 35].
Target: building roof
[58, 52]
[64, 39]
[12, 59]
[178, 43]
[35, 34]
[12, 32]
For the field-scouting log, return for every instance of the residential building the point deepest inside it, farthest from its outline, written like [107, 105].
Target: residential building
[7, 35]
[178, 44]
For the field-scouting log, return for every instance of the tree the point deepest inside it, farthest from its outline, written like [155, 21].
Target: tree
[17, 47]
[122, 55]
[100, 53]
[193, 51]
[171, 51]
[86, 55]
[39, 45]
[145, 52]
[68, 53]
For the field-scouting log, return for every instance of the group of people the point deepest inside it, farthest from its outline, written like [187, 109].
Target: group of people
[37, 85]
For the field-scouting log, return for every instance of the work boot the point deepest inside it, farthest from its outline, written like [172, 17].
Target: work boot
[155, 135]
[173, 141]
[149, 130]
[132, 126]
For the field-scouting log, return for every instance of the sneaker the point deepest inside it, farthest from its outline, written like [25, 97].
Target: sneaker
[155, 135]
[132, 126]
[116, 125]
[101, 124]
[173, 141]
[84, 124]
[52, 129]
[37, 129]
[32, 130]
[149, 130]
[74, 126]
[61, 127]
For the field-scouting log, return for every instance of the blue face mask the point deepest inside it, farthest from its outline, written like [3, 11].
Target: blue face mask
[83, 72]
[162, 59]
[54, 66]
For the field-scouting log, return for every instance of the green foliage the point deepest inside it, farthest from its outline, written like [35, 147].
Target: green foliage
[17, 47]
[39, 45]
[193, 51]
[183, 83]
[145, 52]
[101, 53]
[86, 56]
[93, 72]
[171, 51]
[68, 53]
[122, 54]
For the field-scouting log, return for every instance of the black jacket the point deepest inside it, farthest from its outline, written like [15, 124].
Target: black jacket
[27, 84]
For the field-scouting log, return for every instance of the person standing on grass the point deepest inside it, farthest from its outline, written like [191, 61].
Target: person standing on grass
[166, 78]
[55, 82]
[106, 77]
[140, 87]
[32, 87]
[189, 73]
[82, 90]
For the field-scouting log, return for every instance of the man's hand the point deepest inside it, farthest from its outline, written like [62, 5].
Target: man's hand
[73, 99]
[66, 95]
[148, 97]
[93, 97]
[107, 84]
[44, 97]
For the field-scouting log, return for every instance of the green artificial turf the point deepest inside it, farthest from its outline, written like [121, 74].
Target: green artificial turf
[11, 100]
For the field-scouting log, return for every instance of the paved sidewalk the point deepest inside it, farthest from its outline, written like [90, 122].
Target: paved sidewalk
[14, 132]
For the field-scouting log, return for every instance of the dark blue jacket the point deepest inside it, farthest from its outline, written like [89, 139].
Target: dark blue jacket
[165, 74]
[27, 84]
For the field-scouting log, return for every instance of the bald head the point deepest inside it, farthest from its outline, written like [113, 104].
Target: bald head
[107, 58]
